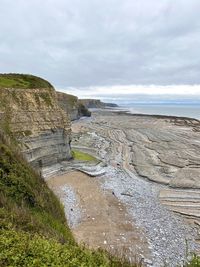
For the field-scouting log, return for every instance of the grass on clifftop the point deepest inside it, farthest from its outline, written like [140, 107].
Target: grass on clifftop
[79, 155]
[22, 81]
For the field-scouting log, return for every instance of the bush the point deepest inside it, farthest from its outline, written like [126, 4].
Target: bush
[33, 229]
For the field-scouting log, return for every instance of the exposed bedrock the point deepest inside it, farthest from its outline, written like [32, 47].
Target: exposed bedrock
[154, 170]
[96, 103]
[158, 149]
[36, 120]
[72, 106]
[47, 148]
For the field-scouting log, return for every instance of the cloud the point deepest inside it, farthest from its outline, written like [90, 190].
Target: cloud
[92, 43]
[126, 90]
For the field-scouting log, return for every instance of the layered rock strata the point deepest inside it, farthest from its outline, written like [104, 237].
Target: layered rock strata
[153, 167]
[34, 117]
[96, 103]
[72, 106]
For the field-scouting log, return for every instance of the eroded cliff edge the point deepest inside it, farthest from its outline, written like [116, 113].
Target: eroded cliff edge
[34, 117]
[96, 103]
[72, 106]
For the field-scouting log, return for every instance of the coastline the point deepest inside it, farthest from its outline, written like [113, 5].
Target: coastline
[146, 166]
[186, 110]
[122, 110]
[158, 116]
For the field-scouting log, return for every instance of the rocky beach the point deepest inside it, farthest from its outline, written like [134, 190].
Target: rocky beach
[141, 197]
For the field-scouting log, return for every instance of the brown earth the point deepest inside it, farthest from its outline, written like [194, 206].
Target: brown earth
[105, 222]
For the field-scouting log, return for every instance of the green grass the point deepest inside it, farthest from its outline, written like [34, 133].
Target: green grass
[22, 81]
[195, 262]
[23, 249]
[79, 155]
[25, 200]
[33, 228]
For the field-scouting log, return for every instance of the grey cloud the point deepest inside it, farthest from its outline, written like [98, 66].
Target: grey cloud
[89, 43]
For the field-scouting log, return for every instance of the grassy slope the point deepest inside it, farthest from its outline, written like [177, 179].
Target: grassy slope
[33, 229]
[22, 81]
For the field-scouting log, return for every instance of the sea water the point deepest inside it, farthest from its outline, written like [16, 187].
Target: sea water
[180, 110]
[170, 105]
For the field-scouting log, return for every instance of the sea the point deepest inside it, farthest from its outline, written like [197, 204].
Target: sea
[179, 110]
[170, 105]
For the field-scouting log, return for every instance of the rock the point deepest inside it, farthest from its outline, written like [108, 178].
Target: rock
[40, 125]
[127, 193]
[72, 106]
[159, 151]
[149, 262]
[182, 201]
[96, 103]
[187, 178]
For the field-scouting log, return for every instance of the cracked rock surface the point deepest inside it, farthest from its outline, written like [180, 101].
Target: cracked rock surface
[153, 167]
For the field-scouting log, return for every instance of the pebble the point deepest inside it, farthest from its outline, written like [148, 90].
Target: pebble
[149, 262]
[166, 232]
[72, 210]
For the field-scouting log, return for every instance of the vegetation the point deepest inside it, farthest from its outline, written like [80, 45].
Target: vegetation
[69, 102]
[38, 251]
[46, 97]
[195, 262]
[68, 99]
[26, 203]
[79, 155]
[22, 81]
[33, 229]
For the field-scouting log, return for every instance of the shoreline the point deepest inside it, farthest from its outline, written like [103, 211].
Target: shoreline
[133, 147]
[159, 116]
[125, 111]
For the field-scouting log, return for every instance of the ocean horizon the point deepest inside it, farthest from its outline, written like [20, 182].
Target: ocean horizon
[170, 105]
[169, 109]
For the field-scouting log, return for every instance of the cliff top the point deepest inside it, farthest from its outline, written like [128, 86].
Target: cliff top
[22, 81]
[96, 103]
[71, 99]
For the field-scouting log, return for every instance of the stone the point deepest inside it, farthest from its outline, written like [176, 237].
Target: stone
[42, 128]
[72, 106]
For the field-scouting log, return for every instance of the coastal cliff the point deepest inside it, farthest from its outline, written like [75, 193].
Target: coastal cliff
[72, 106]
[96, 103]
[33, 227]
[34, 117]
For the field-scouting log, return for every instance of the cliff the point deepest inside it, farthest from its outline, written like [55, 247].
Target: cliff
[72, 106]
[33, 228]
[34, 117]
[96, 103]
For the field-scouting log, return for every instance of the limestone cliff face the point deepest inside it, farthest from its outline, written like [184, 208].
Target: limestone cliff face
[72, 106]
[36, 120]
[96, 103]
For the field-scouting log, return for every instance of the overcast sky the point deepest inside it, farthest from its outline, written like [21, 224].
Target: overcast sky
[108, 44]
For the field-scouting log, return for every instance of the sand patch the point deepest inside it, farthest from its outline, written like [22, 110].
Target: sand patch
[104, 220]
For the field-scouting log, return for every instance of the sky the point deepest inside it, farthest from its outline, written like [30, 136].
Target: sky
[104, 46]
